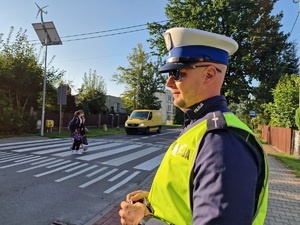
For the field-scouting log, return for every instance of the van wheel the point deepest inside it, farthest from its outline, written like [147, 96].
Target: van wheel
[128, 132]
[159, 130]
[147, 131]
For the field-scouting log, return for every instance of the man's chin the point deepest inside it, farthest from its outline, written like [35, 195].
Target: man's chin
[180, 104]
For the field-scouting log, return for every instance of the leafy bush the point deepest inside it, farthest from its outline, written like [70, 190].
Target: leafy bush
[10, 121]
[297, 118]
[13, 122]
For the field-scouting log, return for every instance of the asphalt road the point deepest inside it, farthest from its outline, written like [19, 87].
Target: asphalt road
[42, 182]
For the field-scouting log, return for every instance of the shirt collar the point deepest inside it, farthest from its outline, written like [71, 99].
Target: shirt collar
[200, 109]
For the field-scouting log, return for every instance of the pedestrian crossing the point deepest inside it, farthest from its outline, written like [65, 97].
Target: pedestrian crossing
[103, 161]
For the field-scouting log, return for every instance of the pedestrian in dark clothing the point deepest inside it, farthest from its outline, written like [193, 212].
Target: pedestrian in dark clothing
[77, 130]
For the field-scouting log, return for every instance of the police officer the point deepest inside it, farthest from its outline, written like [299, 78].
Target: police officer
[216, 171]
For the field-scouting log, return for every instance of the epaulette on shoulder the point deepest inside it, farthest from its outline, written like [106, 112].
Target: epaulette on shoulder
[215, 120]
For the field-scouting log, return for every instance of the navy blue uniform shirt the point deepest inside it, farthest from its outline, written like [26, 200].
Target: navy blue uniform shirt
[227, 174]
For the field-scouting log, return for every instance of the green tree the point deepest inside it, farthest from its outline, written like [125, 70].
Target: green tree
[286, 101]
[178, 116]
[21, 84]
[21, 74]
[290, 65]
[274, 68]
[297, 118]
[92, 95]
[251, 24]
[71, 104]
[241, 111]
[141, 81]
[290, 59]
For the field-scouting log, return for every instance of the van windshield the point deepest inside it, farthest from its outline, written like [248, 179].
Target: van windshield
[139, 115]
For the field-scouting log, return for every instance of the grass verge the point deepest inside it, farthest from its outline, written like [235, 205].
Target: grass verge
[171, 126]
[290, 162]
[98, 132]
[94, 132]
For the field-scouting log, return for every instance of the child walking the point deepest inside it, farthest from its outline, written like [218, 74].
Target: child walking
[77, 130]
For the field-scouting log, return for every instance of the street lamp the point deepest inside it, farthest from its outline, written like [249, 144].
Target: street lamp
[48, 36]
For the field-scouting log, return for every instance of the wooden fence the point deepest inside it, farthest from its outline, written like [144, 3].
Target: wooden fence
[279, 137]
[92, 120]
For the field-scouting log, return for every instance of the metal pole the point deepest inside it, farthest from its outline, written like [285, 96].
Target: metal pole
[60, 106]
[299, 82]
[54, 36]
[118, 120]
[44, 90]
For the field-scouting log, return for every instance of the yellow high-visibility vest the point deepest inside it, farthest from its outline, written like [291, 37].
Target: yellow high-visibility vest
[170, 192]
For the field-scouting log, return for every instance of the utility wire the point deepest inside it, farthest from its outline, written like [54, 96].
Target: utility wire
[294, 23]
[105, 31]
[106, 35]
[116, 29]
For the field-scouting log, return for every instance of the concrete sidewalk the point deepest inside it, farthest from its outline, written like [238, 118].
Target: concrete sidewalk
[284, 193]
[284, 197]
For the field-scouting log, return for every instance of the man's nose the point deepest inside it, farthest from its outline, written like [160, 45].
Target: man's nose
[170, 82]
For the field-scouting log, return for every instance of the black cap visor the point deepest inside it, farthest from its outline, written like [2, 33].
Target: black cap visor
[173, 66]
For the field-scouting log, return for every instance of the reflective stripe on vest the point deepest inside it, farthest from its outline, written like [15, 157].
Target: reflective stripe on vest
[170, 191]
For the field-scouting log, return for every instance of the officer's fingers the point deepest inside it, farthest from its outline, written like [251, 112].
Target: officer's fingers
[123, 212]
[124, 205]
[139, 196]
[123, 222]
[140, 210]
[129, 196]
[140, 205]
[144, 208]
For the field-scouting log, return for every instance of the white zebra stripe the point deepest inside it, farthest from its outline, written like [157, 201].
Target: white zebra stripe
[121, 183]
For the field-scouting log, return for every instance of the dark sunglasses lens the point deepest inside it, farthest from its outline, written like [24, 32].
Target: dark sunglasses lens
[175, 74]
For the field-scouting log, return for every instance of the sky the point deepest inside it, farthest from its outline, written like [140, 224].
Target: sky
[106, 53]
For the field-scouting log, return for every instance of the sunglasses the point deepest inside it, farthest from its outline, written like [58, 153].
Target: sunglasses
[177, 74]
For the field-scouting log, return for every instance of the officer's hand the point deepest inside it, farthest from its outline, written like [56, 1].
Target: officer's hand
[136, 196]
[132, 214]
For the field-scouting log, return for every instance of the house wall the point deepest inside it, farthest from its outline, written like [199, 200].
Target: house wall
[116, 103]
[166, 106]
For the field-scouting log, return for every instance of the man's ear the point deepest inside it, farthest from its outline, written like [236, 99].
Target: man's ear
[210, 75]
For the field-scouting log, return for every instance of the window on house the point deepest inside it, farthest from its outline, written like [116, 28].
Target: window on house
[117, 107]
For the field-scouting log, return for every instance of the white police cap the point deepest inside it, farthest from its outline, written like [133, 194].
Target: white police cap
[187, 46]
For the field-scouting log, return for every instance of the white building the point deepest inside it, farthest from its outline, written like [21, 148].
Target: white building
[166, 106]
[116, 103]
